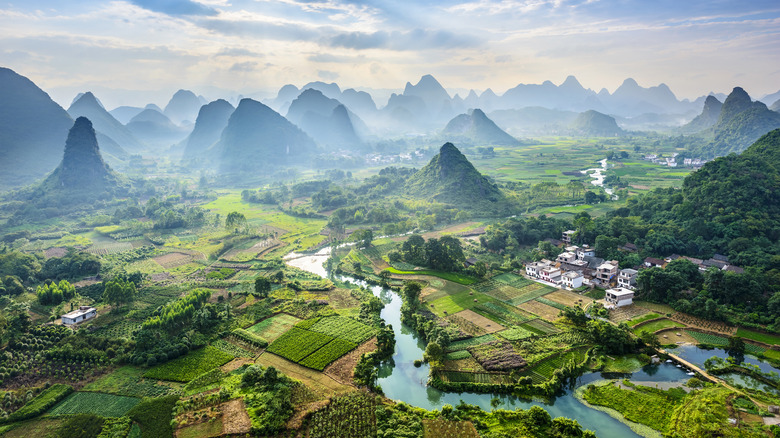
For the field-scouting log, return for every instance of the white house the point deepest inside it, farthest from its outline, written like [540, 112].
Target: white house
[551, 274]
[619, 297]
[567, 235]
[82, 314]
[606, 271]
[566, 257]
[572, 279]
[585, 252]
[532, 269]
[627, 278]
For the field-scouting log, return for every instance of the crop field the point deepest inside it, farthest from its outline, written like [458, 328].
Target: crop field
[512, 279]
[626, 313]
[651, 408]
[542, 310]
[704, 324]
[503, 313]
[457, 302]
[327, 354]
[344, 328]
[173, 259]
[654, 326]
[104, 405]
[655, 307]
[530, 292]
[568, 298]
[451, 276]
[464, 376]
[706, 338]
[516, 334]
[109, 248]
[462, 345]
[485, 324]
[458, 355]
[273, 327]
[129, 381]
[758, 336]
[551, 303]
[298, 343]
[541, 326]
[231, 349]
[547, 367]
[442, 428]
[192, 365]
[670, 336]
[323, 385]
[119, 329]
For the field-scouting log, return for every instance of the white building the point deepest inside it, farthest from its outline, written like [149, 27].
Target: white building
[606, 271]
[551, 274]
[620, 297]
[572, 279]
[533, 269]
[627, 278]
[566, 257]
[567, 235]
[585, 252]
[84, 313]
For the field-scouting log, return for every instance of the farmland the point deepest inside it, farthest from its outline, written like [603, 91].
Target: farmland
[105, 405]
[298, 343]
[190, 366]
[654, 326]
[344, 328]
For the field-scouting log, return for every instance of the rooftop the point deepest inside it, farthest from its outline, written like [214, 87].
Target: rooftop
[620, 292]
[83, 310]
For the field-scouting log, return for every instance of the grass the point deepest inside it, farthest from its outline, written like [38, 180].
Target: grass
[192, 365]
[654, 326]
[40, 403]
[207, 428]
[758, 336]
[462, 345]
[297, 343]
[129, 381]
[624, 364]
[451, 276]
[344, 328]
[642, 405]
[642, 318]
[39, 427]
[98, 403]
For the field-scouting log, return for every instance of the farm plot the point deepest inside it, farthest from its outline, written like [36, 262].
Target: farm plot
[530, 292]
[104, 405]
[654, 326]
[641, 319]
[327, 354]
[551, 303]
[704, 324]
[297, 343]
[484, 324]
[568, 298]
[758, 336]
[271, 328]
[675, 336]
[173, 259]
[707, 338]
[322, 384]
[457, 302]
[547, 367]
[626, 313]
[109, 248]
[497, 356]
[512, 279]
[344, 328]
[503, 313]
[441, 428]
[464, 344]
[128, 381]
[543, 310]
[231, 349]
[190, 366]
[516, 334]
[540, 326]
[464, 376]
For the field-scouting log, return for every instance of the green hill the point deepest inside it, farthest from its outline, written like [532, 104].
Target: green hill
[451, 179]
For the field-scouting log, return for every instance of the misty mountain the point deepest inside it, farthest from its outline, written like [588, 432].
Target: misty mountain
[124, 113]
[32, 130]
[435, 98]
[451, 179]
[212, 120]
[479, 129]
[183, 106]
[740, 123]
[570, 95]
[775, 106]
[708, 117]
[104, 123]
[595, 124]
[357, 102]
[632, 99]
[771, 99]
[257, 136]
[155, 129]
[534, 120]
[326, 120]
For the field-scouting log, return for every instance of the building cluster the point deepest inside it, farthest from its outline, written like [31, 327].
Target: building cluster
[578, 266]
[673, 162]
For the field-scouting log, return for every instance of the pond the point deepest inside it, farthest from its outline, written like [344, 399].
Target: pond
[697, 356]
[402, 381]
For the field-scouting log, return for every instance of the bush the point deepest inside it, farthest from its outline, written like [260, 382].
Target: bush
[40, 404]
[154, 416]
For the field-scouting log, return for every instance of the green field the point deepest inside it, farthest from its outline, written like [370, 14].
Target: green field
[345, 328]
[652, 327]
[129, 381]
[192, 365]
[104, 405]
[757, 336]
[457, 302]
[451, 276]
[297, 343]
[642, 318]
[273, 327]
[327, 354]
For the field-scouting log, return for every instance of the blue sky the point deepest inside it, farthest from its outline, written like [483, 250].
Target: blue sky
[137, 51]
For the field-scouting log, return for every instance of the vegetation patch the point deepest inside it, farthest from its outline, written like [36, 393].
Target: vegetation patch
[188, 367]
[654, 326]
[516, 334]
[641, 319]
[40, 403]
[640, 404]
[549, 313]
[97, 403]
[154, 416]
[441, 428]
[327, 354]
[129, 381]
[758, 336]
[344, 328]
[451, 276]
[466, 343]
[485, 324]
[298, 343]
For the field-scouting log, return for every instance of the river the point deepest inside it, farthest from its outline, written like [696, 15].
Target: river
[597, 173]
[402, 381]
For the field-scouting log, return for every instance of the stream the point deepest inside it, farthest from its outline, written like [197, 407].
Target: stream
[402, 381]
[597, 173]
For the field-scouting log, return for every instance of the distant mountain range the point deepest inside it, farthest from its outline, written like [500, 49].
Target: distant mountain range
[211, 121]
[116, 139]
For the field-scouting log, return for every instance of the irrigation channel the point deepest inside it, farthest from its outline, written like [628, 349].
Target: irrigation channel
[402, 381]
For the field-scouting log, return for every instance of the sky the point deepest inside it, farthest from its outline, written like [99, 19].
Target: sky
[133, 52]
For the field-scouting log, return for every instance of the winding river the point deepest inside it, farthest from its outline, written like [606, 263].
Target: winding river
[402, 381]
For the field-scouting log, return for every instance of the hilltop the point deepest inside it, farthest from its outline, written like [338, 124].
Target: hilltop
[451, 179]
[212, 120]
[709, 116]
[477, 127]
[595, 124]
[106, 126]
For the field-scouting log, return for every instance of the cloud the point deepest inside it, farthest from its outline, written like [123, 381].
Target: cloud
[415, 39]
[329, 57]
[263, 29]
[327, 75]
[236, 51]
[175, 7]
[244, 67]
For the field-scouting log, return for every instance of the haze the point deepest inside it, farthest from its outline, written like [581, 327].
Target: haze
[141, 51]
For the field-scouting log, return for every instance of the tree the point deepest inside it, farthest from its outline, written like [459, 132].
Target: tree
[433, 352]
[411, 293]
[278, 277]
[235, 222]
[736, 348]
[262, 286]
[119, 291]
[363, 237]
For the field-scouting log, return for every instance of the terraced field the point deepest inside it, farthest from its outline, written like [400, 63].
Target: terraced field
[271, 328]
